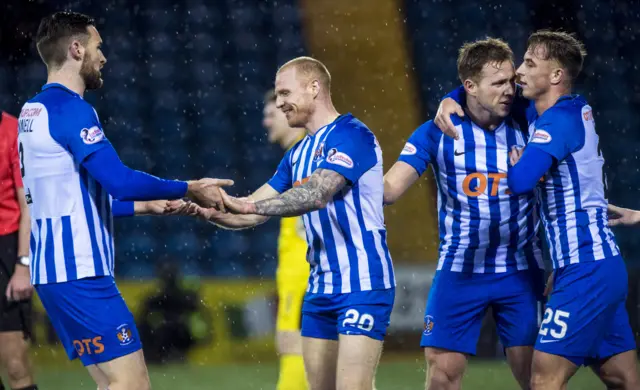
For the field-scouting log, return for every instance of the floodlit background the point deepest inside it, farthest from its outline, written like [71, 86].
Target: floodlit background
[182, 99]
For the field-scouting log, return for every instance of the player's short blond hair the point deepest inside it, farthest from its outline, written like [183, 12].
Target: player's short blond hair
[311, 68]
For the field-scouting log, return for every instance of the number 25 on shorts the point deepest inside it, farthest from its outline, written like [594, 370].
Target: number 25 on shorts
[353, 318]
[558, 317]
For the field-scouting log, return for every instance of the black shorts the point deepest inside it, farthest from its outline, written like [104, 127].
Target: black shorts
[14, 316]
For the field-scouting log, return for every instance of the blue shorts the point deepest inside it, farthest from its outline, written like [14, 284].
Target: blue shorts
[586, 319]
[91, 319]
[458, 302]
[367, 313]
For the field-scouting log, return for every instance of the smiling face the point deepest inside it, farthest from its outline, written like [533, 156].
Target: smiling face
[295, 96]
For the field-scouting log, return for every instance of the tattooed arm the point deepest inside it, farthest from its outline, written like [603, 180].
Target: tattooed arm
[313, 195]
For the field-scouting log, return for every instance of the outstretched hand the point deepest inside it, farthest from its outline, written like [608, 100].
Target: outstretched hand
[181, 207]
[619, 216]
[206, 192]
[161, 207]
[237, 205]
[150, 207]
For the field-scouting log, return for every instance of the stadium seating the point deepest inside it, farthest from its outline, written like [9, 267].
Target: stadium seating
[182, 99]
[183, 95]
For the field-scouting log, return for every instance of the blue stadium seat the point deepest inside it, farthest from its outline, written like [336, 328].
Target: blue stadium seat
[206, 46]
[162, 71]
[205, 76]
[161, 16]
[120, 71]
[198, 12]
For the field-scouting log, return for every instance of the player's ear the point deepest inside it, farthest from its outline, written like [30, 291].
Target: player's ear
[558, 75]
[76, 50]
[314, 86]
[470, 87]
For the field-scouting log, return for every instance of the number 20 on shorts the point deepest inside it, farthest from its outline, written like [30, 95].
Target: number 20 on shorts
[355, 319]
[558, 317]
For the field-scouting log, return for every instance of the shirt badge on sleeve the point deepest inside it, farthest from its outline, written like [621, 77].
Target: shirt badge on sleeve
[339, 158]
[409, 149]
[540, 137]
[92, 135]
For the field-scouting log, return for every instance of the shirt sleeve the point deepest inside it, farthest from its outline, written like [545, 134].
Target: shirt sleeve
[124, 183]
[350, 151]
[416, 150]
[78, 130]
[525, 175]
[281, 180]
[122, 208]
[558, 134]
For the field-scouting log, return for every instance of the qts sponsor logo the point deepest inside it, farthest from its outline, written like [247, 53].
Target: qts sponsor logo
[476, 184]
[92, 346]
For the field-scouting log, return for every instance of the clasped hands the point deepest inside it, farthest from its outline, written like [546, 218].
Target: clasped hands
[205, 198]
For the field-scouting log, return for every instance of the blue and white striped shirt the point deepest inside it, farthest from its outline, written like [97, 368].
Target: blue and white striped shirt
[347, 239]
[573, 201]
[483, 228]
[71, 218]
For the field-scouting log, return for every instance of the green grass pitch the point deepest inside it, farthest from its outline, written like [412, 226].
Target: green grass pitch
[396, 374]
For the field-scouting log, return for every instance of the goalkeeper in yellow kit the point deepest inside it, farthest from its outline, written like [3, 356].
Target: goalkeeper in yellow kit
[292, 274]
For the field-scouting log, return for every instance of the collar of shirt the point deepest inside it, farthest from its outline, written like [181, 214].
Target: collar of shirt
[58, 85]
[568, 97]
[339, 119]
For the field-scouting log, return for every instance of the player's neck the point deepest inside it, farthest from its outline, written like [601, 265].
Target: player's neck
[320, 118]
[482, 117]
[67, 78]
[547, 100]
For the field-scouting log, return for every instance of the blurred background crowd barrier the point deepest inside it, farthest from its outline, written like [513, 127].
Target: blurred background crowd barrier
[182, 99]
